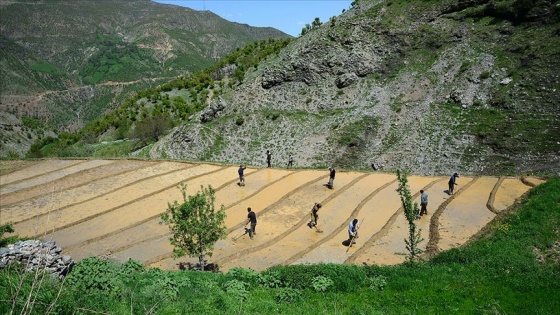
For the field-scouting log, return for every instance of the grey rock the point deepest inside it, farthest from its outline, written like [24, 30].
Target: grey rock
[506, 81]
[34, 254]
[345, 80]
[211, 112]
[66, 259]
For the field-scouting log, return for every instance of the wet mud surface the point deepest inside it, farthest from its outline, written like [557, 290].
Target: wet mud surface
[112, 208]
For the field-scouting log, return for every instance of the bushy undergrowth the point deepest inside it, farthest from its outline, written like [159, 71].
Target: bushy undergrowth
[500, 273]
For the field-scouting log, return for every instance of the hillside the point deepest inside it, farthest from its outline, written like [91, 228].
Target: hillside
[65, 63]
[430, 86]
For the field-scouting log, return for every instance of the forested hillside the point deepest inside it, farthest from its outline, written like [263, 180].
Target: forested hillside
[65, 63]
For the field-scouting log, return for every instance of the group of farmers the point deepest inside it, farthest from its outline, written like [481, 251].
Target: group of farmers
[353, 225]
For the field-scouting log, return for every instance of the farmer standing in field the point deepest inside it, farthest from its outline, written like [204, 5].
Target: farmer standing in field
[423, 203]
[314, 214]
[332, 173]
[241, 176]
[268, 158]
[353, 227]
[251, 218]
[452, 183]
[290, 161]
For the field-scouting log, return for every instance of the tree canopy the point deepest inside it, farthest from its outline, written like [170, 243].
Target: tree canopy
[195, 224]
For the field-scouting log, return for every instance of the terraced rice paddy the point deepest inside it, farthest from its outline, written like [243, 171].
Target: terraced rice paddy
[111, 208]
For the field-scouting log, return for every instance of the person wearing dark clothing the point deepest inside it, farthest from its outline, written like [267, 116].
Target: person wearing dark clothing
[314, 214]
[331, 176]
[290, 161]
[241, 176]
[353, 227]
[423, 203]
[452, 183]
[268, 157]
[251, 218]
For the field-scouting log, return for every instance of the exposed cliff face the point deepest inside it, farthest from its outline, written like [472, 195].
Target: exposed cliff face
[400, 85]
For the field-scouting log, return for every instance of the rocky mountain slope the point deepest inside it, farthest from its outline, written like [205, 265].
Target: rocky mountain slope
[65, 63]
[428, 86]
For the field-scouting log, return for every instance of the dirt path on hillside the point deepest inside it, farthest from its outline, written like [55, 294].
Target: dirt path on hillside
[112, 208]
[34, 100]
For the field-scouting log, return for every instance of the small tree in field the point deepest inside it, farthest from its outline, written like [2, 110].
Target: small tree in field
[195, 224]
[410, 211]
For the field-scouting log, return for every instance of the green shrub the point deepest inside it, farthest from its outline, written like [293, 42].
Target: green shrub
[321, 283]
[270, 279]
[6, 228]
[485, 75]
[453, 255]
[157, 285]
[345, 278]
[151, 129]
[94, 275]
[245, 275]
[288, 295]
[239, 121]
[464, 66]
[237, 289]
[377, 283]
[13, 155]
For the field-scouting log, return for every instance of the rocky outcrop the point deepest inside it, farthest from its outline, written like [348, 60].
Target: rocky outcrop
[211, 112]
[37, 255]
[400, 85]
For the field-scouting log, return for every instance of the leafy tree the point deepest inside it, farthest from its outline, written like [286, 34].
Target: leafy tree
[195, 224]
[410, 211]
[151, 128]
[316, 23]
[306, 29]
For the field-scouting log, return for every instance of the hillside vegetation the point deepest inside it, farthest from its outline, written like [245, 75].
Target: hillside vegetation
[151, 113]
[66, 63]
[511, 268]
[429, 86]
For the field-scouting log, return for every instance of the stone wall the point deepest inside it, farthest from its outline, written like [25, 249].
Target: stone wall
[35, 255]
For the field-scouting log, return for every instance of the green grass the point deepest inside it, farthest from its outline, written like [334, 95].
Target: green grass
[512, 268]
[354, 134]
[45, 67]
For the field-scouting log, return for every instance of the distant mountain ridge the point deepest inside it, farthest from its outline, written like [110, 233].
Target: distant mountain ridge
[69, 49]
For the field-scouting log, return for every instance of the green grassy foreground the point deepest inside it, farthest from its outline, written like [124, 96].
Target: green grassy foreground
[513, 268]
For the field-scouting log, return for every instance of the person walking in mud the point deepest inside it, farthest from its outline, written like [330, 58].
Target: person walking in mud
[332, 173]
[241, 175]
[251, 218]
[452, 183]
[290, 161]
[353, 227]
[268, 158]
[423, 203]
